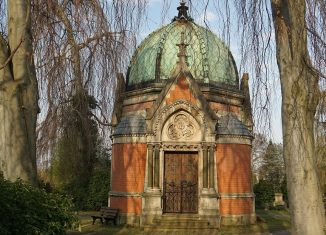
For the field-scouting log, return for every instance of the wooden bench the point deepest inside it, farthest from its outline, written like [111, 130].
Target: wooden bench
[106, 214]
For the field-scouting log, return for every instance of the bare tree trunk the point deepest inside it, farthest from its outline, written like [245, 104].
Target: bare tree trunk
[18, 96]
[300, 96]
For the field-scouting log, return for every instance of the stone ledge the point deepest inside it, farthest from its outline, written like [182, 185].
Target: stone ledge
[125, 194]
[130, 219]
[236, 195]
[238, 219]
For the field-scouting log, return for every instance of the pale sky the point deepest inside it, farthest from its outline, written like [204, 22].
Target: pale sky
[160, 14]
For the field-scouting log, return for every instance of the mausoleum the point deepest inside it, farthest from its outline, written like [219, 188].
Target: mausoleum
[182, 131]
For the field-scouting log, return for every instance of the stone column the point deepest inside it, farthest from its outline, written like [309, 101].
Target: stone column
[211, 166]
[205, 167]
[150, 166]
[157, 166]
[152, 197]
[208, 202]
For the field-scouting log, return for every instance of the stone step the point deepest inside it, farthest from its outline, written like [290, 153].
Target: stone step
[169, 231]
[181, 231]
[167, 219]
[180, 222]
[178, 227]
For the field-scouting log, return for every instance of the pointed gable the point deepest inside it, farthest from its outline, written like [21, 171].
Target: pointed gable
[180, 91]
[182, 87]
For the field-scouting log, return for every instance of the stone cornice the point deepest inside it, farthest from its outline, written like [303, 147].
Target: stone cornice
[181, 146]
[143, 138]
[154, 88]
[234, 139]
[236, 195]
[126, 139]
[218, 91]
[125, 194]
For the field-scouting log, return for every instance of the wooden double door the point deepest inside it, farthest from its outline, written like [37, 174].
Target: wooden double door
[180, 192]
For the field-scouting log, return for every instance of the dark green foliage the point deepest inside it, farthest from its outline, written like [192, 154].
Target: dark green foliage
[264, 192]
[99, 184]
[80, 166]
[284, 191]
[273, 168]
[25, 209]
[75, 155]
[98, 189]
[272, 176]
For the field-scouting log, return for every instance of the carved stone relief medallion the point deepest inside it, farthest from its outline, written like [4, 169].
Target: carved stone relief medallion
[181, 126]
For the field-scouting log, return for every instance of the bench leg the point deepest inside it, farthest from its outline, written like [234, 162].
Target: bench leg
[102, 220]
[94, 220]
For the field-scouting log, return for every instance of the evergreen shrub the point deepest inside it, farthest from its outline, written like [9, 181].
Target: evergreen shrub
[26, 209]
[264, 194]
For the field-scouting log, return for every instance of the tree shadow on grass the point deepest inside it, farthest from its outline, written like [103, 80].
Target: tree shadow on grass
[271, 221]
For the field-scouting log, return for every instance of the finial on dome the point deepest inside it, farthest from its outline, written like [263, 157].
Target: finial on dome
[183, 12]
[182, 51]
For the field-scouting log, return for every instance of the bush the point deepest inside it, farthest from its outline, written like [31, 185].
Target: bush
[98, 189]
[264, 192]
[25, 209]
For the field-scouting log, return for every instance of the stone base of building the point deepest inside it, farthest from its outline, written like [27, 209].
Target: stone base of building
[152, 206]
[130, 219]
[209, 206]
[238, 219]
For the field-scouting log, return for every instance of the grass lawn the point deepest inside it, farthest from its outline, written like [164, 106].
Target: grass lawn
[275, 221]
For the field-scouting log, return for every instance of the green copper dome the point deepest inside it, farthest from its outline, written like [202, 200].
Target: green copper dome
[208, 58]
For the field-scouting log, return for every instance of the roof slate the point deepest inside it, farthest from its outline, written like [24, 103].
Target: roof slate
[133, 124]
[231, 125]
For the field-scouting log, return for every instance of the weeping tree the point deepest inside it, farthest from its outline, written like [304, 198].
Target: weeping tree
[300, 54]
[300, 49]
[75, 155]
[18, 93]
[80, 47]
[300, 97]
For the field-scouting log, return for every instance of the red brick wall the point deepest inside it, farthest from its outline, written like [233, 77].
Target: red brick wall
[236, 206]
[137, 107]
[180, 91]
[126, 204]
[234, 176]
[224, 107]
[233, 168]
[128, 174]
